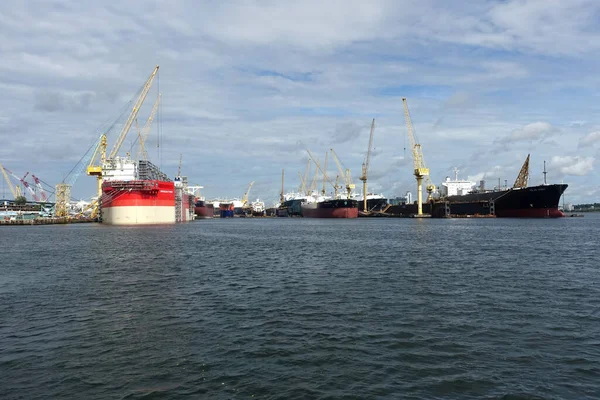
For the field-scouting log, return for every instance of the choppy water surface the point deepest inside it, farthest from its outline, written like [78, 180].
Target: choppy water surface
[293, 308]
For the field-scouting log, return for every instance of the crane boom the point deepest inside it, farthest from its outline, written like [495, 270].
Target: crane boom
[319, 168]
[323, 191]
[245, 198]
[38, 183]
[133, 115]
[9, 183]
[523, 178]
[365, 166]
[420, 171]
[345, 173]
[143, 135]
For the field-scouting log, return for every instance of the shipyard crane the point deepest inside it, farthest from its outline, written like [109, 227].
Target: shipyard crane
[523, 178]
[323, 191]
[143, 133]
[38, 183]
[323, 172]
[420, 170]
[28, 187]
[179, 167]
[133, 114]
[281, 196]
[345, 173]
[245, 198]
[95, 166]
[365, 166]
[16, 192]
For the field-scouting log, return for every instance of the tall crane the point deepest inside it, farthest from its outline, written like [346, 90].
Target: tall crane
[28, 187]
[95, 167]
[179, 167]
[323, 191]
[15, 192]
[365, 166]
[38, 183]
[245, 198]
[281, 196]
[133, 114]
[323, 172]
[420, 170]
[143, 133]
[345, 173]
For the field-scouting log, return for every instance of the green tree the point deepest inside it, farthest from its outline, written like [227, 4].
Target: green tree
[20, 200]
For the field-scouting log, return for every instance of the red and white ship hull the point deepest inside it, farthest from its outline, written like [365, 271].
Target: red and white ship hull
[138, 202]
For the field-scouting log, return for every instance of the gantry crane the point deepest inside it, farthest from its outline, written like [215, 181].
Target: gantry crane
[420, 170]
[245, 198]
[365, 166]
[345, 173]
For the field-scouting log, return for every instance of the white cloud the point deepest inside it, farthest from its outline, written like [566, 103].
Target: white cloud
[572, 165]
[533, 131]
[589, 139]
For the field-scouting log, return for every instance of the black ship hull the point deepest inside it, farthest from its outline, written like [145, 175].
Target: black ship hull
[531, 202]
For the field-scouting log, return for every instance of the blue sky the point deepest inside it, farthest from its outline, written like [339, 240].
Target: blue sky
[247, 86]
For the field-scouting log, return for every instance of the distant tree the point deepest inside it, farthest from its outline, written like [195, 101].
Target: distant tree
[20, 200]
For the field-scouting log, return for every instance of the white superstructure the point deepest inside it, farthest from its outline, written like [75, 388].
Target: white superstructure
[455, 187]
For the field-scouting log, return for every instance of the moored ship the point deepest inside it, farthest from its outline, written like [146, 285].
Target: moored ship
[331, 208]
[136, 193]
[226, 209]
[203, 209]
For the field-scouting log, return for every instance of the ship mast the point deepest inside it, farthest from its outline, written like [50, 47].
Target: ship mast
[545, 172]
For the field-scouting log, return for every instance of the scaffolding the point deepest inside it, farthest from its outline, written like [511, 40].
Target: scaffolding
[63, 198]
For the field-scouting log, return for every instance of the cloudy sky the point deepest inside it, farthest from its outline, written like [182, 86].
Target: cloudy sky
[248, 85]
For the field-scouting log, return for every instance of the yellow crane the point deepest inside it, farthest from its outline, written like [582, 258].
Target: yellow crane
[345, 173]
[95, 167]
[323, 172]
[15, 190]
[365, 166]
[420, 170]
[245, 198]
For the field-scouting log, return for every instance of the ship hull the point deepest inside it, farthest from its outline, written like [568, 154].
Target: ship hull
[204, 210]
[138, 202]
[373, 204]
[531, 202]
[331, 209]
[226, 210]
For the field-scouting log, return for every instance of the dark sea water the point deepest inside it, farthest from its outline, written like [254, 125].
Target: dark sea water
[302, 309]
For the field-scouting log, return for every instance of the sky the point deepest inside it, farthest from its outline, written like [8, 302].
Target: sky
[247, 86]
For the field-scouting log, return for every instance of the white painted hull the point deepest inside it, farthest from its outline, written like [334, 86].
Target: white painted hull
[138, 215]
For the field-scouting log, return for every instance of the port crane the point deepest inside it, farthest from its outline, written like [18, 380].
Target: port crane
[420, 170]
[323, 172]
[15, 190]
[245, 198]
[38, 184]
[365, 166]
[345, 173]
[281, 196]
[323, 191]
[95, 166]
[143, 133]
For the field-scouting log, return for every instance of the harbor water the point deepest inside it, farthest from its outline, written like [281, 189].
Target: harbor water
[295, 308]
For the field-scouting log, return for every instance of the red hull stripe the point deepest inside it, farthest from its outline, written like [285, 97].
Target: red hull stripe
[330, 212]
[531, 213]
[164, 195]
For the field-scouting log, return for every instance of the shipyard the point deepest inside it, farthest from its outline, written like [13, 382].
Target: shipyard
[265, 200]
[131, 190]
